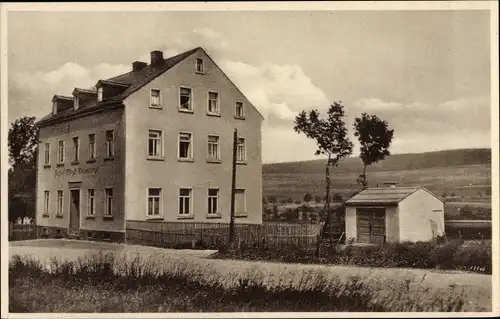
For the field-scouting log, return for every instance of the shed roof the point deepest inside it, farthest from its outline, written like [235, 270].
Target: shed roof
[381, 196]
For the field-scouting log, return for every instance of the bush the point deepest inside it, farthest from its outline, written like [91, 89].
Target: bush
[337, 197]
[451, 255]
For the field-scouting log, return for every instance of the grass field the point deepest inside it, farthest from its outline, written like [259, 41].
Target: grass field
[426, 283]
[468, 181]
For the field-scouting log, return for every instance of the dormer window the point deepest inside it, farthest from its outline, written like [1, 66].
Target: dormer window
[99, 94]
[54, 107]
[77, 102]
[199, 66]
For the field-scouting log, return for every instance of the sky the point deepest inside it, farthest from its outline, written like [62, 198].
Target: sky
[427, 73]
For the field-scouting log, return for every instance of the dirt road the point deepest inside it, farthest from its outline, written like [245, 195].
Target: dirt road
[477, 287]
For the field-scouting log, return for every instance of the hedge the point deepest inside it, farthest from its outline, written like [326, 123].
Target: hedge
[452, 255]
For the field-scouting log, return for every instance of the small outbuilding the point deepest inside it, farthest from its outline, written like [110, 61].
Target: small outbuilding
[394, 214]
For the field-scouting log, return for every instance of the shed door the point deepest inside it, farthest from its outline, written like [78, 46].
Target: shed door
[370, 225]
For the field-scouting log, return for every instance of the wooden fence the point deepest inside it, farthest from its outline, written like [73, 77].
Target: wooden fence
[212, 235]
[21, 231]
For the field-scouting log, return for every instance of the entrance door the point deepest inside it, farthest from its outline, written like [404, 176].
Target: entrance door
[74, 210]
[370, 225]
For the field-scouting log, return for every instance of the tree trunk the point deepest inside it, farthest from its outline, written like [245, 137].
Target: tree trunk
[328, 222]
[365, 184]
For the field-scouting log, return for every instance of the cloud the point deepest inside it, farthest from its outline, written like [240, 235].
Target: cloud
[31, 94]
[278, 91]
[376, 105]
[419, 127]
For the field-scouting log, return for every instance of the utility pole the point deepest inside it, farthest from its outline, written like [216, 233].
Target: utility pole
[233, 188]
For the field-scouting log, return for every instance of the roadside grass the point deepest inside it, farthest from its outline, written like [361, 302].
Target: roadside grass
[452, 255]
[101, 282]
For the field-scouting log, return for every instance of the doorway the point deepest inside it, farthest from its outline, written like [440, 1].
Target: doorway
[74, 210]
[370, 225]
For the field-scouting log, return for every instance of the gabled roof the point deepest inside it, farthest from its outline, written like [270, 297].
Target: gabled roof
[86, 91]
[382, 196]
[113, 83]
[131, 81]
[61, 97]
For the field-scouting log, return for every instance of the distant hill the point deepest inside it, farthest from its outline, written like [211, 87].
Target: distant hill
[394, 162]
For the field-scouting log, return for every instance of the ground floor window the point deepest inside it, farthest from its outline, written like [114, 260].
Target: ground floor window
[154, 198]
[60, 203]
[91, 202]
[46, 197]
[108, 210]
[213, 201]
[185, 201]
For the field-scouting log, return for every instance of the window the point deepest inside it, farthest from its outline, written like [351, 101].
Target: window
[239, 111]
[110, 149]
[108, 209]
[60, 152]
[59, 203]
[155, 144]
[155, 98]
[199, 65]
[99, 94]
[91, 147]
[185, 201]
[185, 147]
[46, 154]
[77, 102]
[213, 201]
[213, 148]
[46, 198]
[239, 202]
[213, 102]
[154, 197]
[54, 107]
[240, 150]
[91, 203]
[185, 98]
[76, 149]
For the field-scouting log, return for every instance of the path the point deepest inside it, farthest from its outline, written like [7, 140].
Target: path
[477, 287]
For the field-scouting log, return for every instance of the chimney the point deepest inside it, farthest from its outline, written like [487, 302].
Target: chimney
[138, 65]
[156, 57]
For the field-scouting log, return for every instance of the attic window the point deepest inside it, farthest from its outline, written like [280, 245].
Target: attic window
[155, 99]
[54, 107]
[99, 94]
[199, 66]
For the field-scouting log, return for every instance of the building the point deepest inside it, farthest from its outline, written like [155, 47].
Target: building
[155, 143]
[394, 214]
